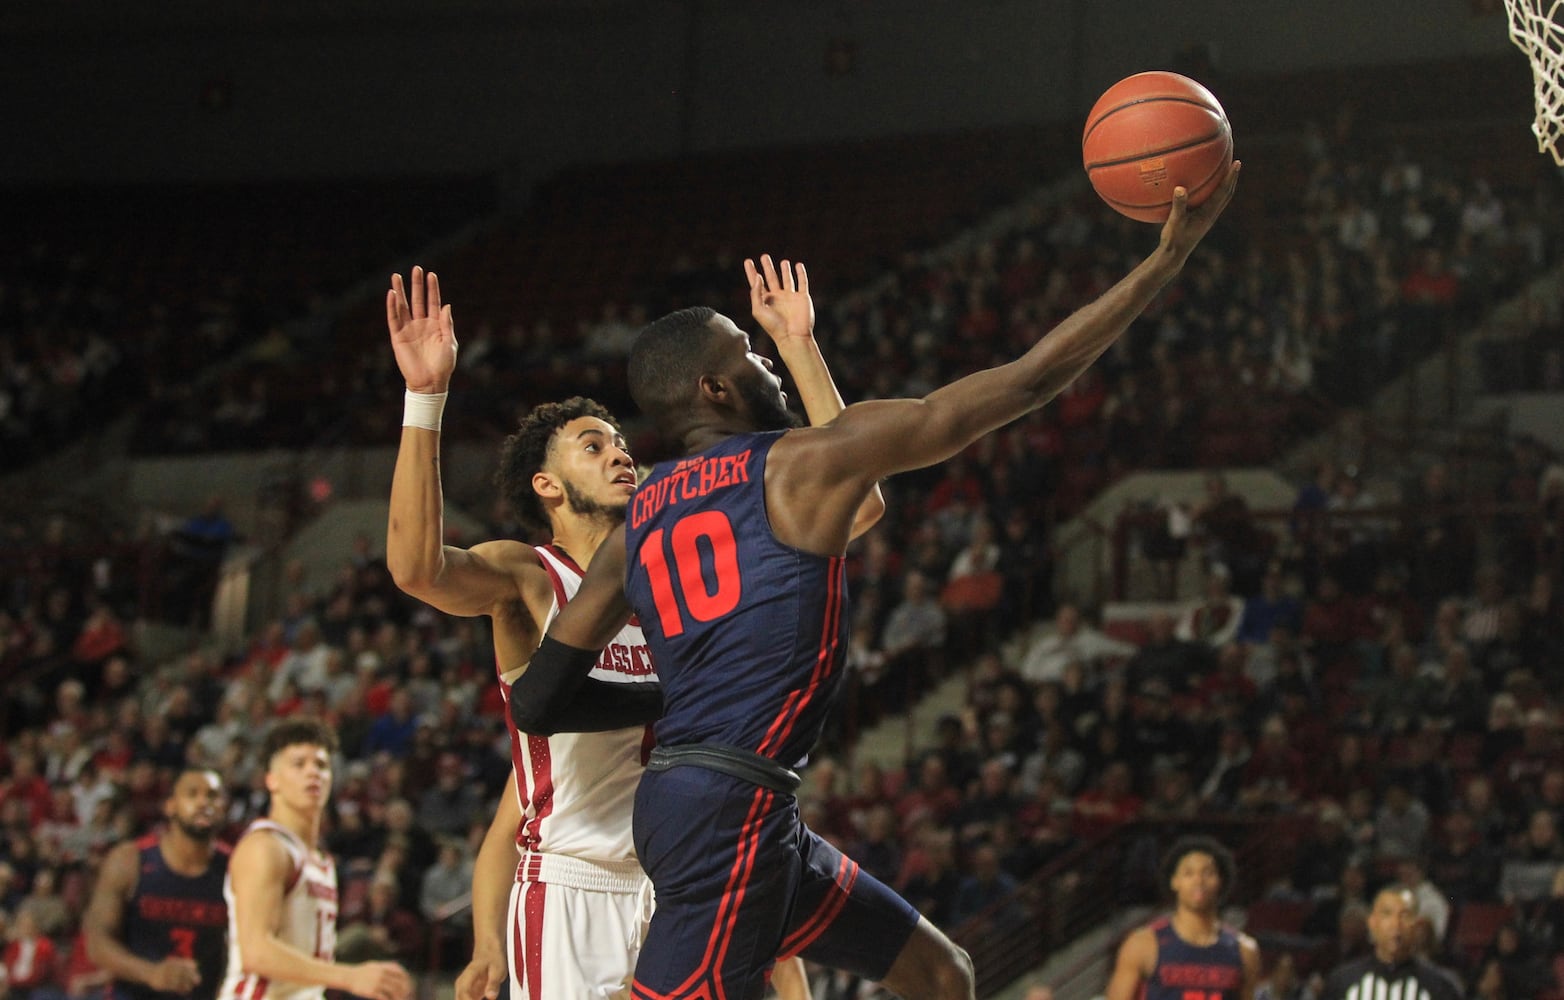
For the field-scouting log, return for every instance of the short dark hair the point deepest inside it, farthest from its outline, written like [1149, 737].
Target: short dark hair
[195, 769]
[666, 359]
[1226, 868]
[296, 732]
[524, 452]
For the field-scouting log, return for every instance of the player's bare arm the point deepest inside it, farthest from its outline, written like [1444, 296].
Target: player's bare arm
[258, 871]
[1249, 954]
[818, 476]
[492, 875]
[1136, 961]
[489, 578]
[102, 924]
[781, 304]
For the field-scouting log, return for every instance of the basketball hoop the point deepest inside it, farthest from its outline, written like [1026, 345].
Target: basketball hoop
[1537, 28]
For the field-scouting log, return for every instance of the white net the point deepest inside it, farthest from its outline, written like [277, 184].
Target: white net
[1536, 27]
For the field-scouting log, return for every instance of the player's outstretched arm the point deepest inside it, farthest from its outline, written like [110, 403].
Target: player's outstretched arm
[102, 923]
[1136, 959]
[456, 581]
[492, 876]
[782, 305]
[829, 469]
[555, 695]
[258, 871]
[918, 433]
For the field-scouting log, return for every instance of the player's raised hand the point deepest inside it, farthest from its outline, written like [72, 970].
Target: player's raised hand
[381, 981]
[482, 978]
[422, 333]
[780, 301]
[175, 975]
[1187, 226]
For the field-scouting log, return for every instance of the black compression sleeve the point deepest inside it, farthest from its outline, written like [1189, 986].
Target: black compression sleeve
[555, 695]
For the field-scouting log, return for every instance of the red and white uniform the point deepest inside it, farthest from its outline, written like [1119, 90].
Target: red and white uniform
[581, 902]
[309, 920]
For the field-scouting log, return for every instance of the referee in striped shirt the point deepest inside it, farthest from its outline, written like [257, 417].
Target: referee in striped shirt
[1392, 972]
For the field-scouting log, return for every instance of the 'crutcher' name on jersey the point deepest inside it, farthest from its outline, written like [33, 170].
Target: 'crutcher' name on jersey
[178, 916]
[706, 575]
[577, 788]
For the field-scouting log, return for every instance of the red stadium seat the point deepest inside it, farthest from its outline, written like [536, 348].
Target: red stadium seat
[1475, 927]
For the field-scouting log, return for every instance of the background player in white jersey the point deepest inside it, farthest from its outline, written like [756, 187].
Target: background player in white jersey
[282, 889]
[578, 902]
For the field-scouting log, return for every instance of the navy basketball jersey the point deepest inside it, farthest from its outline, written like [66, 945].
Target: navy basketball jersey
[1193, 972]
[176, 915]
[748, 634]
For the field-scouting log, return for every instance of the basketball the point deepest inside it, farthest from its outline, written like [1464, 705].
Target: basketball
[1150, 133]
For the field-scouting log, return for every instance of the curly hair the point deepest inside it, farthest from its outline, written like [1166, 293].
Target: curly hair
[524, 452]
[1226, 868]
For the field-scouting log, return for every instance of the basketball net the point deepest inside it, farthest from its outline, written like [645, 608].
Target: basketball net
[1536, 28]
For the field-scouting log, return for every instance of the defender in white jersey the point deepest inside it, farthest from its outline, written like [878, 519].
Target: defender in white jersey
[561, 839]
[281, 888]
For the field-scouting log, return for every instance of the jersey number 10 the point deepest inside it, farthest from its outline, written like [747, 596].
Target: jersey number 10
[682, 560]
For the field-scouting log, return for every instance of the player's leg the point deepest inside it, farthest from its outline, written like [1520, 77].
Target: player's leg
[589, 944]
[931, 966]
[720, 853]
[569, 942]
[845, 918]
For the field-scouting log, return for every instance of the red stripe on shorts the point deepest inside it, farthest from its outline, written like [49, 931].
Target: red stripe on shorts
[829, 909]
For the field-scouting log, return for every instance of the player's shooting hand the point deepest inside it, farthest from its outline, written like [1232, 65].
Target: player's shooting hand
[1187, 226]
[381, 981]
[175, 975]
[780, 302]
[422, 333]
[482, 978]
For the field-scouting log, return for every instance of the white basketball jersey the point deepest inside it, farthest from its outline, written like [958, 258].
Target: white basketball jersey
[309, 920]
[577, 789]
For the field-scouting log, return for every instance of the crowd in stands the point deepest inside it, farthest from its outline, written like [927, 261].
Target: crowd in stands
[1407, 723]
[122, 297]
[1379, 680]
[1381, 691]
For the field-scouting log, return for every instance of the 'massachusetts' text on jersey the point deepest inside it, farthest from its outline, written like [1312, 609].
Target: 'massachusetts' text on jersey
[707, 577]
[309, 919]
[576, 789]
[176, 916]
[1194, 972]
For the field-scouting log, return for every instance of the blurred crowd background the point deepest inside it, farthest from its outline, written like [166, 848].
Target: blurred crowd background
[1354, 687]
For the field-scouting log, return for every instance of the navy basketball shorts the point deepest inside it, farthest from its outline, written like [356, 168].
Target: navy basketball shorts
[741, 882]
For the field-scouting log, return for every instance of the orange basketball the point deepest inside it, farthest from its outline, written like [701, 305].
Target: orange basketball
[1150, 133]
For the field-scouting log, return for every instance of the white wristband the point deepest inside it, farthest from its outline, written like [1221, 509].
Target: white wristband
[423, 409]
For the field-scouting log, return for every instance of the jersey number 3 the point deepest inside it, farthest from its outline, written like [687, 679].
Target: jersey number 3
[183, 941]
[681, 560]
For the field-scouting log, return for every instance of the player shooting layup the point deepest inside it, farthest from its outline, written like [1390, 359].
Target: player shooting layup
[575, 915]
[732, 559]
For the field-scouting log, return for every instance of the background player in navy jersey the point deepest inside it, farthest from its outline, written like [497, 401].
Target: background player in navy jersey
[1190, 954]
[732, 558]
[157, 921]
